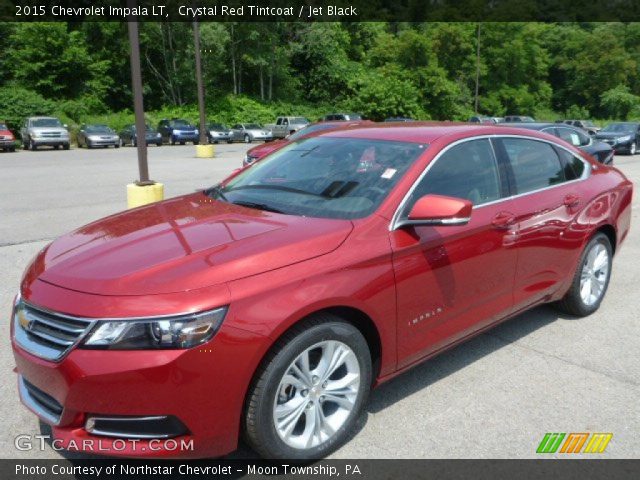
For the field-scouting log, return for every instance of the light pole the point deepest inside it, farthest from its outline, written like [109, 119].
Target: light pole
[202, 150]
[144, 190]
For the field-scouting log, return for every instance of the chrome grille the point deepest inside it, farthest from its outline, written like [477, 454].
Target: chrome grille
[47, 334]
[51, 134]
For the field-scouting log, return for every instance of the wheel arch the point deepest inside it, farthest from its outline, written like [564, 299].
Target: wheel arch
[611, 234]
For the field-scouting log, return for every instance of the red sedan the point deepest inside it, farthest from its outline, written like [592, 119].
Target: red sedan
[260, 151]
[271, 304]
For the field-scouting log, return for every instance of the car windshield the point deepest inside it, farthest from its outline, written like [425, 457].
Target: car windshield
[343, 178]
[619, 127]
[98, 129]
[46, 122]
[252, 126]
[588, 123]
[217, 126]
[298, 120]
[3, 126]
[310, 129]
[179, 123]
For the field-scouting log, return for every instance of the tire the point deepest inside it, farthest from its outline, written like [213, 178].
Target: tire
[173, 140]
[66, 146]
[633, 148]
[320, 335]
[197, 142]
[32, 146]
[121, 143]
[574, 302]
[229, 141]
[159, 144]
[181, 143]
[247, 139]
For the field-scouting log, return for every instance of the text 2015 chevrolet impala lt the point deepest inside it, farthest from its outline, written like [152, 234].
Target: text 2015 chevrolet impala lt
[269, 305]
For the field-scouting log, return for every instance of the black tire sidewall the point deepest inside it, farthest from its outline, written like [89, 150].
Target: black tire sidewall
[344, 332]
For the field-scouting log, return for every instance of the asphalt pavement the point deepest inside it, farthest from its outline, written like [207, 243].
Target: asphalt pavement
[492, 397]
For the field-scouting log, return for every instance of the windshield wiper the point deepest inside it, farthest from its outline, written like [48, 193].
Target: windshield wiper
[259, 206]
[217, 190]
[277, 187]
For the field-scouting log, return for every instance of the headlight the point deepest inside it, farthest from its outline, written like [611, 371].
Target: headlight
[197, 132]
[626, 138]
[158, 135]
[35, 134]
[175, 132]
[183, 331]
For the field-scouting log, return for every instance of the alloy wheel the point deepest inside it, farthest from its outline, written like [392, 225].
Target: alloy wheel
[317, 394]
[594, 275]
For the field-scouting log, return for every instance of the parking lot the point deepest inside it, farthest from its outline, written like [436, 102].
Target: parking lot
[493, 397]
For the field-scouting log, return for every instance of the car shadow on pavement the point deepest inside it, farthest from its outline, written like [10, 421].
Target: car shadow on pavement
[459, 357]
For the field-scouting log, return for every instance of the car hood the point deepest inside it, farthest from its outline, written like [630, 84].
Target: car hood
[257, 130]
[6, 133]
[181, 244]
[265, 149]
[612, 134]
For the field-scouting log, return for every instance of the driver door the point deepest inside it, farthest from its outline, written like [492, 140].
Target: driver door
[452, 281]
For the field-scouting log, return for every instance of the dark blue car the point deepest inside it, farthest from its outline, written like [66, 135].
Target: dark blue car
[178, 131]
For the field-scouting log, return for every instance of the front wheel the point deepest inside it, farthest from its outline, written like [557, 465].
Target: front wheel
[66, 146]
[633, 148]
[591, 279]
[309, 391]
[247, 139]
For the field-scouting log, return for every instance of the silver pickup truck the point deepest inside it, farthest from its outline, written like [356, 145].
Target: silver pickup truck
[286, 125]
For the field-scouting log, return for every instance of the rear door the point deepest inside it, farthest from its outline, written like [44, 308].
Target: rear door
[547, 197]
[454, 280]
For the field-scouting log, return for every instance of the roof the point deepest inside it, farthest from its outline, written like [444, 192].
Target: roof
[421, 132]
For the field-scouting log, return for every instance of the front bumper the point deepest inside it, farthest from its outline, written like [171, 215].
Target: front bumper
[266, 138]
[52, 142]
[219, 137]
[102, 142]
[203, 388]
[185, 137]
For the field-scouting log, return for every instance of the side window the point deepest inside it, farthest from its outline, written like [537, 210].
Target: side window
[574, 137]
[279, 121]
[535, 164]
[468, 170]
[573, 166]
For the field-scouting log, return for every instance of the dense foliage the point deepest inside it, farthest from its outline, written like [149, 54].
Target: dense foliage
[253, 72]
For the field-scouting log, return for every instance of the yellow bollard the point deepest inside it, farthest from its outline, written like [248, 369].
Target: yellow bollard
[205, 151]
[138, 195]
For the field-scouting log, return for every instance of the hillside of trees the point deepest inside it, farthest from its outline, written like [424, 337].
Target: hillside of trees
[254, 71]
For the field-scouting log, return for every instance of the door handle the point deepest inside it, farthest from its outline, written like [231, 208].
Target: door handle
[503, 220]
[571, 200]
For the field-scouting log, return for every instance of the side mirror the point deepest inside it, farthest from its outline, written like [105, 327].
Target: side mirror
[439, 210]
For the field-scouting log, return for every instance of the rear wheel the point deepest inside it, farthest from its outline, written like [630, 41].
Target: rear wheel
[591, 279]
[309, 391]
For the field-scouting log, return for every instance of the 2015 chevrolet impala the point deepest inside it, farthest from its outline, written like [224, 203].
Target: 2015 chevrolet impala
[270, 304]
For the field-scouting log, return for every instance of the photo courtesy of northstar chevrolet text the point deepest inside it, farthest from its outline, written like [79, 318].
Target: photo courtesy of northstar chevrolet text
[302, 232]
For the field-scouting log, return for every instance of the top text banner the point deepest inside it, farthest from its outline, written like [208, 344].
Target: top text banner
[311, 10]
